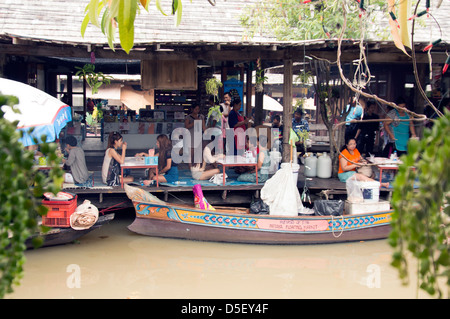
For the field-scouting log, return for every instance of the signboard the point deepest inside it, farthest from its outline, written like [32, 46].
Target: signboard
[236, 89]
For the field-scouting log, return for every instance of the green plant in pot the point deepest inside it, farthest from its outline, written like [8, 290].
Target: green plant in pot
[94, 79]
[212, 86]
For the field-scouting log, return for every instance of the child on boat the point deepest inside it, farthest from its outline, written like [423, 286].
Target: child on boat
[347, 169]
[112, 161]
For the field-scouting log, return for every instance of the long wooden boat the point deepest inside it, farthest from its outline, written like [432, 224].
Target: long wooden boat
[158, 218]
[61, 236]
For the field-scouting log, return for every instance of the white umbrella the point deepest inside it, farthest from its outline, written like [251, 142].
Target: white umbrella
[38, 110]
[269, 104]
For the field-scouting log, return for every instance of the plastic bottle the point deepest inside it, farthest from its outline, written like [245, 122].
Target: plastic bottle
[324, 167]
[275, 159]
[311, 166]
[179, 183]
[394, 156]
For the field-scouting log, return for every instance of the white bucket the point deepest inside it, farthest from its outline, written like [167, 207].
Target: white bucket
[295, 168]
[370, 191]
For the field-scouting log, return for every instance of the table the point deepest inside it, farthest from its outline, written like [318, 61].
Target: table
[137, 162]
[236, 160]
[46, 167]
[384, 164]
[385, 167]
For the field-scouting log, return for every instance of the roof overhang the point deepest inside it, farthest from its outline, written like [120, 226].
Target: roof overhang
[272, 53]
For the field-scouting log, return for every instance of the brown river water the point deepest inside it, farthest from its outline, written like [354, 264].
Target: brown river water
[114, 263]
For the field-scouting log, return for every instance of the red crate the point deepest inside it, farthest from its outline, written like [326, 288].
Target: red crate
[59, 212]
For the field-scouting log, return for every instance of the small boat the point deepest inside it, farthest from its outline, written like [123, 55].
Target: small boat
[155, 217]
[64, 235]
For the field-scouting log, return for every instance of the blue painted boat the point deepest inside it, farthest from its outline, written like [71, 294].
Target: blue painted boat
[155, 217]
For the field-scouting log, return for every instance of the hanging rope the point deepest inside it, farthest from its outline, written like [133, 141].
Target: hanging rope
[111, 208]
[413, 116]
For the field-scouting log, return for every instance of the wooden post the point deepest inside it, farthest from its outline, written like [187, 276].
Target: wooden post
[259, 97]
[249, 92]
[287, 110]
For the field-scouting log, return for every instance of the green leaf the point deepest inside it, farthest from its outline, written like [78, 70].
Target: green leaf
[127, 14]
[93, 12]
[105, 21]
[84, 25]
[179, 11]
[21, 203]
[128, 8]
[126, 39]
[158, 6]
[114, 9]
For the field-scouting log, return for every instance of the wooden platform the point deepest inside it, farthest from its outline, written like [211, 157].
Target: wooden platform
[227, 195]
[240, 195]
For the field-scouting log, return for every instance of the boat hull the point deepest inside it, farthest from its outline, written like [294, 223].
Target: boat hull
[170, 229]
[62, 236]
[193, 224]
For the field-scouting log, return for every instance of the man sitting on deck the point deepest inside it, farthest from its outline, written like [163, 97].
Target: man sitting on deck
[79, 174]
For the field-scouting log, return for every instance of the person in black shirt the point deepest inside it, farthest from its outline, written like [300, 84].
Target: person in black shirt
[167, 168]
[365, 135]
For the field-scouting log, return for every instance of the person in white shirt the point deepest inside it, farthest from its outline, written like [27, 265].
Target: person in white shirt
[200, 172]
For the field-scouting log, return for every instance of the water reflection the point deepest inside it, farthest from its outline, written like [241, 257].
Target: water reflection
[113, 262]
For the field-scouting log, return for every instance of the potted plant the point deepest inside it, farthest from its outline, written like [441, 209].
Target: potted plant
[94, 79]
[212, 86]
[259, 80]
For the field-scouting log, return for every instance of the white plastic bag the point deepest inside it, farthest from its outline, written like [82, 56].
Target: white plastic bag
[275, 159]
[84, 217]
[354, 193]
[218, 179]
[283, 201]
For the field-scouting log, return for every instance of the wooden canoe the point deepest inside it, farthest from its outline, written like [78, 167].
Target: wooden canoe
[158, 218]
[61, 236]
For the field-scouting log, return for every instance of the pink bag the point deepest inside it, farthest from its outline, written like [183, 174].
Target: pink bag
[199, 200]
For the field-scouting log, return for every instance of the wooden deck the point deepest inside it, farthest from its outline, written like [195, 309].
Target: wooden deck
[227, 195]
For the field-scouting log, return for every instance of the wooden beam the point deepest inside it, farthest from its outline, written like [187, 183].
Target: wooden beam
[259, 98]
[249, 91]
[384, 53]
[380, 57]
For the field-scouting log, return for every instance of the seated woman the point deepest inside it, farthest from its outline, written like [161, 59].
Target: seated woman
[263, 165]
[348, 169]
[200, 172]
[112, 161]
[167, 168]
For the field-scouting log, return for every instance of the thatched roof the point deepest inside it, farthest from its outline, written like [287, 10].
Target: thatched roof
[60, 21]
[52, 28]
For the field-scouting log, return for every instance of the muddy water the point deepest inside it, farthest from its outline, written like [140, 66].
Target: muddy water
[113, 262]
